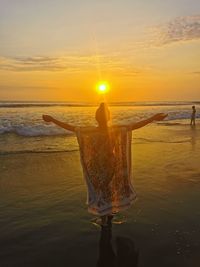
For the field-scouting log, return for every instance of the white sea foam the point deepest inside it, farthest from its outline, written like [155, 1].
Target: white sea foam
[34, 130]
[27, 121]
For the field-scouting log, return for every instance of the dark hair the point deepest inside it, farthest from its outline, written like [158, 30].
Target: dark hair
[102, 114]
[193, 106]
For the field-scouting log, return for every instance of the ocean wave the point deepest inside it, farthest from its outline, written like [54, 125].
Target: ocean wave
[75, 104]
[39, 130]
[4, 153]
[136, 141]
[38, 104]
[29, 127]
[146, 140]
[156, 103]
[33, 131]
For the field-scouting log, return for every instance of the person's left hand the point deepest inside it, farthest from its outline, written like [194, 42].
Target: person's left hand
[47, 118]
[159, 116]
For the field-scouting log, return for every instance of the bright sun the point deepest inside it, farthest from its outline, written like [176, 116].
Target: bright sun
[102, 87]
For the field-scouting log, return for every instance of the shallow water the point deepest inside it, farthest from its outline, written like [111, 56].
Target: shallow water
[44, 220]
[22, 128]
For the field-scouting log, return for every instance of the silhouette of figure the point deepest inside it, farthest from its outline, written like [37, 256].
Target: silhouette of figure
[125, 256]
[106, 252]
[105, 153]
[193, 116]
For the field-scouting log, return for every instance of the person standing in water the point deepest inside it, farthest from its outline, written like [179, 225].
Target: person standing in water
[193, 116]
[105, 153]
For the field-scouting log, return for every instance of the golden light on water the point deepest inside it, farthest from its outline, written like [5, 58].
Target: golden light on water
[103, 87]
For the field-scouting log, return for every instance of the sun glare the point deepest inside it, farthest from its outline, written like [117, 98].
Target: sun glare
[102, 87]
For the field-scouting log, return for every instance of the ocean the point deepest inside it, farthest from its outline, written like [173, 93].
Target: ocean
[22, 128]
[43, 214]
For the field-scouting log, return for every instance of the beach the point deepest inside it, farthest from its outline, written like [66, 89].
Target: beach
[99, 133]
[44, 219]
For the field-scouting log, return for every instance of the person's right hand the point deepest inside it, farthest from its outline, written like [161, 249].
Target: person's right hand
[47, 118]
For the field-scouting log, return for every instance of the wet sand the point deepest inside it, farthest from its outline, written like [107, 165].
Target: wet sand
[44, 219]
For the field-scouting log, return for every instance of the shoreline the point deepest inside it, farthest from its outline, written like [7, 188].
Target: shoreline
[165, 132]
[43, 205]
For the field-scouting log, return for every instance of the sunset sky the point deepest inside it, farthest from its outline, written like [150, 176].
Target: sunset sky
[58, 50]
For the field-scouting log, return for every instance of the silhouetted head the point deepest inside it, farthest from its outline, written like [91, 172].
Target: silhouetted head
[193, 107]
[102, 115]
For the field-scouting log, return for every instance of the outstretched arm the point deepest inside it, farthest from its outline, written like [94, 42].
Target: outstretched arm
[64, 125]
[157, 117]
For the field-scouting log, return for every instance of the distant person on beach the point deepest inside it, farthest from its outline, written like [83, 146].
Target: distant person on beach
[105, 153]
[193, 116]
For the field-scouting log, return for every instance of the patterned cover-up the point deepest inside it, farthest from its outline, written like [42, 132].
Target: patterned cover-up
[106, 162]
